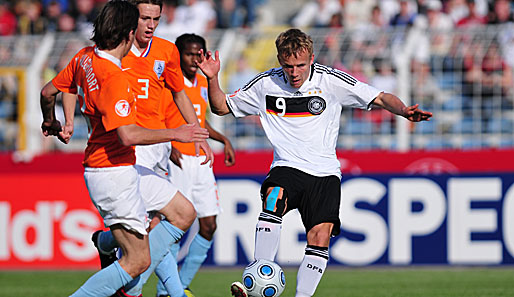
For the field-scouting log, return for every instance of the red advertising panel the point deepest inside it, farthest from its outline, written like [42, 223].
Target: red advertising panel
[46, 221]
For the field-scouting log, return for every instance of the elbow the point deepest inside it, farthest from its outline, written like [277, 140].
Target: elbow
[126, 142]
[126, 139]
[219, 111]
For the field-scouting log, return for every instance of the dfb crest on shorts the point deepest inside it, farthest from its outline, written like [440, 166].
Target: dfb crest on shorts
[316, 105]
[158, 68]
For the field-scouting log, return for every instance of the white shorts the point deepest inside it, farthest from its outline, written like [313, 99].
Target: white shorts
[156, 191]
[197, 183]
[154, 156]
[115, 193]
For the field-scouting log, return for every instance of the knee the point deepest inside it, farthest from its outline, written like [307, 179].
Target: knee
[180, 212]
[320, 234]
[135, 265]
[207, 230]
[186, 216]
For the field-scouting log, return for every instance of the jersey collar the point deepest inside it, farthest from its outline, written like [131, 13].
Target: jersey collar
[137, 53]
[190, 84]
[107, 56]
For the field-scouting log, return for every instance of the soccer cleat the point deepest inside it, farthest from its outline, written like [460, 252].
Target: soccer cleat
[188, 292]
[238, 290]
[105, 259]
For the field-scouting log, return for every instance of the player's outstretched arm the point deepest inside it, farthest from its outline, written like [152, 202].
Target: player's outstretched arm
[393, 104]
[210, 67]
[136, 135]
[230, 155]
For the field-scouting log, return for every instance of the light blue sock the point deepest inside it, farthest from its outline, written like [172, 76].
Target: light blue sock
[106, 242]
[161, 238]
[161, 289]
[168, 276]
[194, 259]
[105, 282]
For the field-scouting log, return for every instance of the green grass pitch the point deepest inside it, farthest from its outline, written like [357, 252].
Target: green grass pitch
[337, 282]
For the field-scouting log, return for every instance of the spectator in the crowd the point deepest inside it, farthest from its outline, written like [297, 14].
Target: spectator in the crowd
[367, 38]
[316, 13]
[169, 28]
[66, 23]
[385, 79]
[65, 5]
[487, 78]
[384, 76]
[501, 13]
[8, 20]
[224, 11]
[472, 18]
[52, 13]
[196, 16]
[405, 16]
[357, 12]
[243, 74]
[440, 26]
[30, 19]
[244, 13]
[86, 14]
[424, 89]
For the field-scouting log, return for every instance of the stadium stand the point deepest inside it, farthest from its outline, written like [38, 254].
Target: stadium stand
[462, 74]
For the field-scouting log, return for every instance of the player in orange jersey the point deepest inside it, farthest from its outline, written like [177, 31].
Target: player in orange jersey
[153, 67]
[197, 182]
[106, 100]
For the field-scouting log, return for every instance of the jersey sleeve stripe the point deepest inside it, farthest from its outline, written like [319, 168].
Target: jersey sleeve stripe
[337, 73]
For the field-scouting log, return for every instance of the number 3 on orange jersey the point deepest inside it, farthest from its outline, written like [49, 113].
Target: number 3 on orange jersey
[144, 88]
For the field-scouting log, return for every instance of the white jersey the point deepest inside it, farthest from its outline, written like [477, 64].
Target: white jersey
[302, 124]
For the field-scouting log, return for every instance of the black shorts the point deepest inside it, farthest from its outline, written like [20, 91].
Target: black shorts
[316, 198]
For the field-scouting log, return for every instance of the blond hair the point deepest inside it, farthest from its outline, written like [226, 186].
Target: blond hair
[293, 42]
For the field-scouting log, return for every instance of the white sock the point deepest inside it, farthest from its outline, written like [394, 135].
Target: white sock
[311, 270]
[267, 236]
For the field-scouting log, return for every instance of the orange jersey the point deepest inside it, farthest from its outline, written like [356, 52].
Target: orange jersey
[149, 73]
[197, 93]
[105, 100]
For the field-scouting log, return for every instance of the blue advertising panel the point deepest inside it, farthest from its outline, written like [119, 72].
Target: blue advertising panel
[464, 219]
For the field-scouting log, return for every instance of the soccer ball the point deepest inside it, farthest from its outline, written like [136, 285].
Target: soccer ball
[263, 278]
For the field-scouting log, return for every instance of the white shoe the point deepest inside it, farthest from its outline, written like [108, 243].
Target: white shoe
[238, 290]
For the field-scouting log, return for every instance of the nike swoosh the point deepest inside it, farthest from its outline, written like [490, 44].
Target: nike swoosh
[123, 69]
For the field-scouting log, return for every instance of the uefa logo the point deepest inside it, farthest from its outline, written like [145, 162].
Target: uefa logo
[122, 108]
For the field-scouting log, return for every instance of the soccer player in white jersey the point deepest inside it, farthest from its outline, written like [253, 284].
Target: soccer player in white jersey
[299, 106]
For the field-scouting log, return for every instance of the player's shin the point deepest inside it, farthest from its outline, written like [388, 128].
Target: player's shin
[267, 236]
[194, 259]
[311, 270]
[167, 272]
[161, 238]
[161, 289]
[105, 282]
